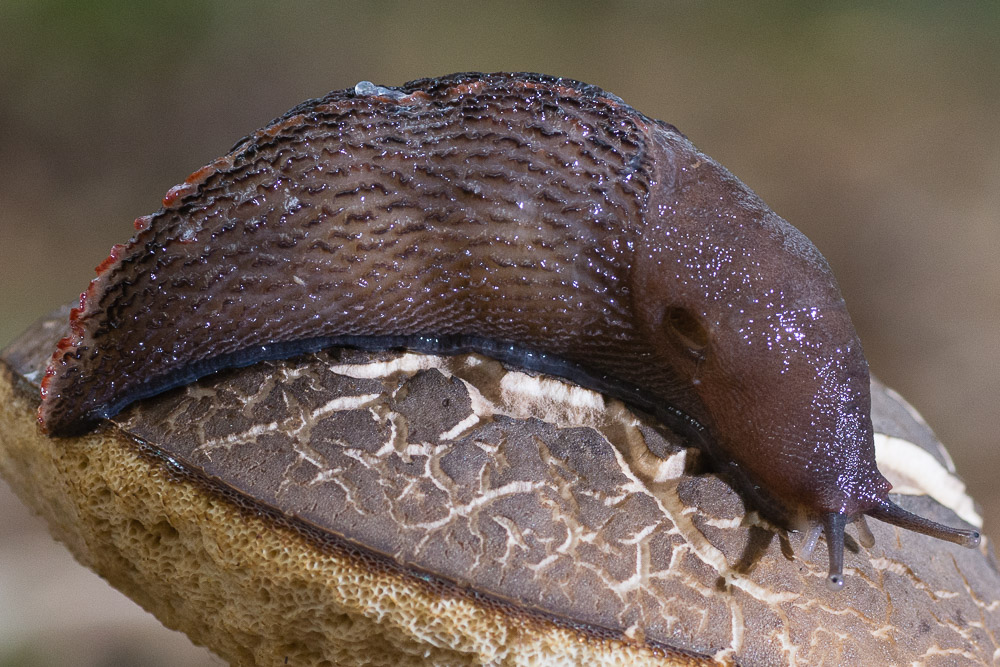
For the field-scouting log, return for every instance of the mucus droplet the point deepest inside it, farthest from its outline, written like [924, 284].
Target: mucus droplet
[369, 89]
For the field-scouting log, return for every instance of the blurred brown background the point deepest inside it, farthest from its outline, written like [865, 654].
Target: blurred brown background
[872, 127]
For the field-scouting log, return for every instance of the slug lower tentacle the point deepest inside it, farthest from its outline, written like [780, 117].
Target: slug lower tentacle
[534, 219]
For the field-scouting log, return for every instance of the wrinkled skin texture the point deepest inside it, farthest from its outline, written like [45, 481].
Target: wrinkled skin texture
[538, 220]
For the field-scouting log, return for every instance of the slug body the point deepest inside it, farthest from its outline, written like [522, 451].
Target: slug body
[538, 220]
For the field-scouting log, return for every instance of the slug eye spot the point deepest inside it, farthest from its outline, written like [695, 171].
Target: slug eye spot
[686, 331]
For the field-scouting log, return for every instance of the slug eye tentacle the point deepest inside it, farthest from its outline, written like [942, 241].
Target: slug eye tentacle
[892, 513]
[833, 526]
[834, 523]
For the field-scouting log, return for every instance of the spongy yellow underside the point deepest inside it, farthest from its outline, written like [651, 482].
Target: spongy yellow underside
[252, 590]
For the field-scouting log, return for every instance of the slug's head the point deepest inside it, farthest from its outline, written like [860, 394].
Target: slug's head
[746, 312]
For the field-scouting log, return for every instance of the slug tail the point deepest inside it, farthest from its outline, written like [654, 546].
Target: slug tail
[892, 513]
[833, 525]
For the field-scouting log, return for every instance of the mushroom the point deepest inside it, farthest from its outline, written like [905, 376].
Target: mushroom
[350, 507]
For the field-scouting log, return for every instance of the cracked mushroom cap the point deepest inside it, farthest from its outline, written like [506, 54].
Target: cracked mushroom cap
[394, 508]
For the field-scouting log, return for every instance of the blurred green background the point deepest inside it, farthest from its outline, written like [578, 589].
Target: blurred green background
[871, 126]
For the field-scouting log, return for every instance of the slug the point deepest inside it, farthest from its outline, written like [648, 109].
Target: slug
[538, 220]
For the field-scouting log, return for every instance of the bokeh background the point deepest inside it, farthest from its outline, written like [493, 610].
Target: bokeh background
[871, 126]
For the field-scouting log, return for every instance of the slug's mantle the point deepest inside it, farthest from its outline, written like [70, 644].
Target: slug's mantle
[479, 514]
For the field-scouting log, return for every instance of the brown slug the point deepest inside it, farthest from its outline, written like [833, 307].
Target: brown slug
[537, 220]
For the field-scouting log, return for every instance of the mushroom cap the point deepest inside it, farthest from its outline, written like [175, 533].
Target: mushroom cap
[350, 507]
